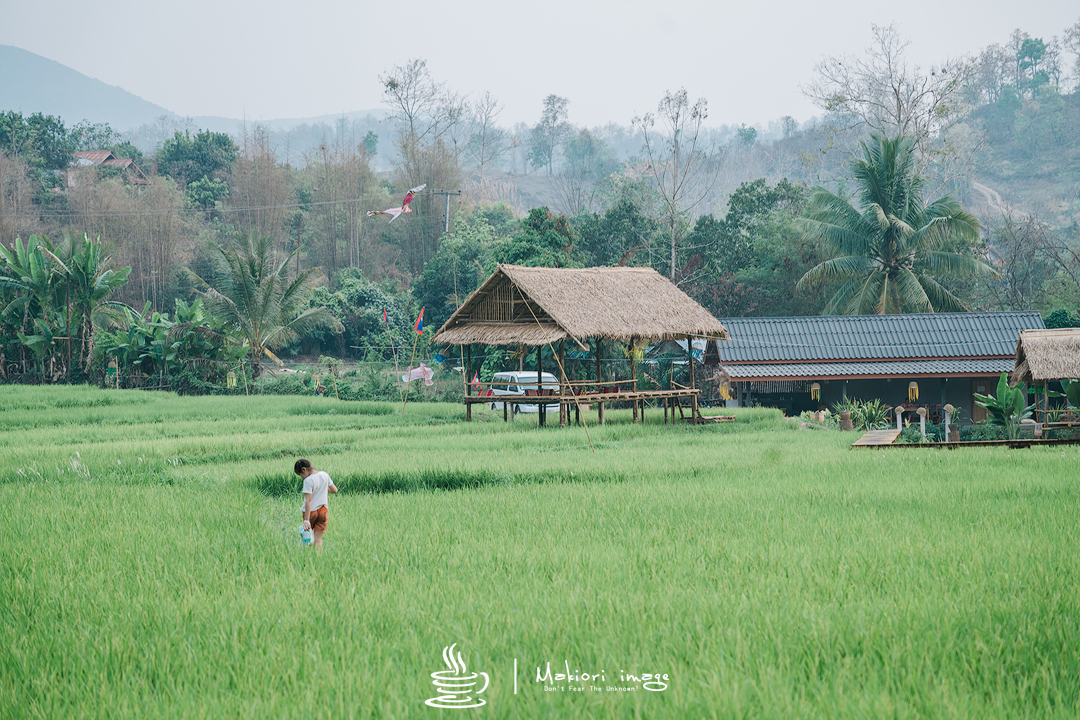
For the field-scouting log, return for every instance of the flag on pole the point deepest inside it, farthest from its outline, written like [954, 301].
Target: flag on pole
[420, 322]
[384, 318]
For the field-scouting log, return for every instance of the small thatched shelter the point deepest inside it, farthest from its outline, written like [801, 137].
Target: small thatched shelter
[1045, 355]
[535, 306]
[547, 306]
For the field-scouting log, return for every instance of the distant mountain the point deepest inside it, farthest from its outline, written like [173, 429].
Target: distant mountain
[30, 83]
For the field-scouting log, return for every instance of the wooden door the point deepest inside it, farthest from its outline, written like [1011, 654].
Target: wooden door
[981, 386]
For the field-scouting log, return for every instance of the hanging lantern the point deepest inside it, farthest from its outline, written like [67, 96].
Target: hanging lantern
[815, 391]
[912, 391]
[725, 390]
[230, 379]
[111, 370]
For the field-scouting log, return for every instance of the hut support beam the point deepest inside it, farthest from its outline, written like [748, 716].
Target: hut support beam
[693, 385]
[599, 381]
[563, 407]
[633, 377]
[541, 406]
[465, 374]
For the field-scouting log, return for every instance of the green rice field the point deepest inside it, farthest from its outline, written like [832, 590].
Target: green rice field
[150, 566]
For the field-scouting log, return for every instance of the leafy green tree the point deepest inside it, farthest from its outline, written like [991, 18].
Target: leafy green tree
[463, 261]
[187, 157]
[550, 133]
[617, 236]
[92, 136]
[41, 140]
[1062, 318]
[371, 144]
[358, 305]
[544, 240]
[887, 256]
[205, 193]
[257, 296]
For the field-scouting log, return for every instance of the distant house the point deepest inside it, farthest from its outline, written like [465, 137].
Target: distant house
[107, 159]
[776, 361]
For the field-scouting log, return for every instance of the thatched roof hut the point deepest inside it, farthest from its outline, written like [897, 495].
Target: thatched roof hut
[535, 306]
[1043, 355]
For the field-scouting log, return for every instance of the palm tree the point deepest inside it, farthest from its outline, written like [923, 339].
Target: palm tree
[890, 254]
[257, 296]
[89, 279]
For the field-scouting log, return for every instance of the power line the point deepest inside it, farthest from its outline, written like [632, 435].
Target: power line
[197, 211]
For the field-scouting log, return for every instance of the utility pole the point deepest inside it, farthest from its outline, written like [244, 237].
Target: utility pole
[446, 216]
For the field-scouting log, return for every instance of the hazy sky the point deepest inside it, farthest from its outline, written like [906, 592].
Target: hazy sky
[612, 59]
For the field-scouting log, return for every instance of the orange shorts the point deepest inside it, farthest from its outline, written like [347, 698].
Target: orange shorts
[318, 519]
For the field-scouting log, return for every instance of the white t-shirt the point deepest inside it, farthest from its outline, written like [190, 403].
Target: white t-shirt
[318, 484]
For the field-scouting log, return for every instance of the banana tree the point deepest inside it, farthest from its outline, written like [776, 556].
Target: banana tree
[1009, 408]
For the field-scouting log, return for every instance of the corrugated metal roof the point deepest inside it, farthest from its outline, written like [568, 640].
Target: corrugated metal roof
[887, 368]
[874, 337]
[95, 156]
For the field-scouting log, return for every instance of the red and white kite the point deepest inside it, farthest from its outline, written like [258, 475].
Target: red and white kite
[396, 211]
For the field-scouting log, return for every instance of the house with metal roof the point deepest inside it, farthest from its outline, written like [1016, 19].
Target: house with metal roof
[106, 158]
[928, 359]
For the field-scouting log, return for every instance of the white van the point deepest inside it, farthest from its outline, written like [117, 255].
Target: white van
[507, 383]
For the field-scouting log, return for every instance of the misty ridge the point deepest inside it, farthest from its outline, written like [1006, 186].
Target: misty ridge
[719, 210]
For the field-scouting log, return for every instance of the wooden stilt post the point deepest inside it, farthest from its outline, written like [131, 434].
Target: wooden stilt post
[562, 386]
[633, 377]
[693, 385]
[541, 407]
[467, 374]
[599, 383]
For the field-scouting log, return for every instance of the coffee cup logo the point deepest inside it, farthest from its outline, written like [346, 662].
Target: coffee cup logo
[455, 685]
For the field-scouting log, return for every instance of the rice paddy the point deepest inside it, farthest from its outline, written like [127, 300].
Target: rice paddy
[150, 566]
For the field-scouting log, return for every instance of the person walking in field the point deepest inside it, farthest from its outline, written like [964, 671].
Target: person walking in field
[316, 486]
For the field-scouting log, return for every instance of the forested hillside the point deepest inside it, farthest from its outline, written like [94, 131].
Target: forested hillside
[744, 219]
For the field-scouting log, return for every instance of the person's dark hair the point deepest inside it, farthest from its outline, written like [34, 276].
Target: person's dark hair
[300, 465]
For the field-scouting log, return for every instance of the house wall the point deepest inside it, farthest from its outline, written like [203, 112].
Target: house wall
[957, 392]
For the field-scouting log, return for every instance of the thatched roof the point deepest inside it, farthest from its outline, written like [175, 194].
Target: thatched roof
[1047, 355]
[534, 306]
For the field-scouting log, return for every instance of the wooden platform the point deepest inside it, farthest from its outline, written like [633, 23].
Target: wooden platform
[887, 439]
[670, 400]
[877, 438]
[583, 398]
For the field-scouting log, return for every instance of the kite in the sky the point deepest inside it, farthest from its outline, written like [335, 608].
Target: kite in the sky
[395, 211]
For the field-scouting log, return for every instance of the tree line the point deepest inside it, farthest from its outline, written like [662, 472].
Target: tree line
[857, 213]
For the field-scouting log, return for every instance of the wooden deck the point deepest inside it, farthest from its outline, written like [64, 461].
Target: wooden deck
[877, 438]
[887, 439]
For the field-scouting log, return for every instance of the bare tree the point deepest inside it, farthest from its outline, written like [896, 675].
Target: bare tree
[1016, 249]
[16, 197]
[681, 168]
[879, 92]
[1064, 255]
[488, 142]
[429, 142]
[258, 184]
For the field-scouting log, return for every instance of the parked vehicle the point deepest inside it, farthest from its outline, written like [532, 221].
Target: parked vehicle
[510, 383]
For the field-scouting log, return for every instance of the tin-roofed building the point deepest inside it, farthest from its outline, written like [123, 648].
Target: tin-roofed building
[107, 159]
[778, 361]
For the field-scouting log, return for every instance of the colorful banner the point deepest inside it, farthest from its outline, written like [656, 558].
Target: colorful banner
[417, 373]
